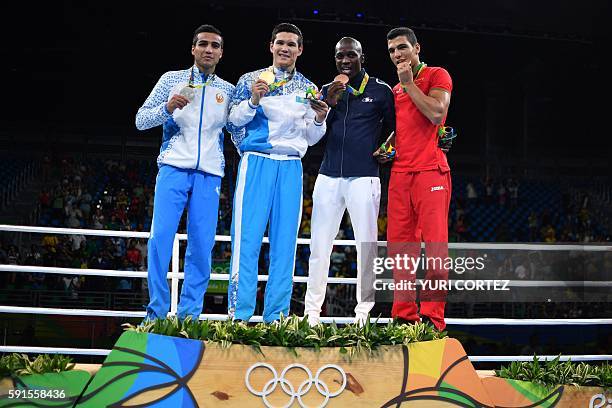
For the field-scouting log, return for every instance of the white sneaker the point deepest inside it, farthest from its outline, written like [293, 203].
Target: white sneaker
[313, 320]
[361, 319]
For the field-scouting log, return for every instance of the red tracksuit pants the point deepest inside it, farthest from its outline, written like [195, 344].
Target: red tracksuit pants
[418, 212]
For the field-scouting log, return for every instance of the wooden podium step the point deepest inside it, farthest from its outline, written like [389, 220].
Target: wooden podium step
[158, 371]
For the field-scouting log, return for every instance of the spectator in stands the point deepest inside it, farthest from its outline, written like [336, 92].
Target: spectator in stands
[502, 194]
[71, 284]
[461, 229]
[532, 223]
[521, 271]
[548, 234]
[133, 254]
[3, 254]
[382, 224]
[337, 260]
[44, 198]
[513, 188]
[74, 216]
[488, 184]
[471, 193]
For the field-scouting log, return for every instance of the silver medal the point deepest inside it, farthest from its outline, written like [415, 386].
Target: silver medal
[188, 92]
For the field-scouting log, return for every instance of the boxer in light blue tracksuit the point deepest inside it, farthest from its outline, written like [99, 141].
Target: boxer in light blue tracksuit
[279, 126]
[191, 165]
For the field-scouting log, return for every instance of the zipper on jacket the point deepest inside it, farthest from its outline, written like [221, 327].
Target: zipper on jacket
[200, 125]
[344, 135]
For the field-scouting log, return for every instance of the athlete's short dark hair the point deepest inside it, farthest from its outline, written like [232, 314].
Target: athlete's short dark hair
[206, 28]
[405, 31]
[287, 28]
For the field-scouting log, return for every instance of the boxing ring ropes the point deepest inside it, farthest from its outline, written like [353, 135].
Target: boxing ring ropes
[174, 275]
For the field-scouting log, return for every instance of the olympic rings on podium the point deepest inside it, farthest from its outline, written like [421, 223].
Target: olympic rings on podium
[288, 387]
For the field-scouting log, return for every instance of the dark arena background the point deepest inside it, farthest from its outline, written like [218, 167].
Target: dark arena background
[531, 163]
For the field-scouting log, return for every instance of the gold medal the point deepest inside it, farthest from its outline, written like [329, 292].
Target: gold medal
[342, 78]
[188, 92]
[267, 77]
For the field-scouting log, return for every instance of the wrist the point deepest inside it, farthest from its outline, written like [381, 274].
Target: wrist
[253, 105]
[405, 85]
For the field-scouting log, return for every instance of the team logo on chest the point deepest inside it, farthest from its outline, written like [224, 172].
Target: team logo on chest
[219, 97]
[367, 99]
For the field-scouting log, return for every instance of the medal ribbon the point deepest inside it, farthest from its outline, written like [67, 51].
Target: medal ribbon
[364, 82]
[211, 78]
[278, 84]
[417, 70]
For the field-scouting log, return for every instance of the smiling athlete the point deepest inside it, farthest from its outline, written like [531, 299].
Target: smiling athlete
[362, 106]
[280, 123]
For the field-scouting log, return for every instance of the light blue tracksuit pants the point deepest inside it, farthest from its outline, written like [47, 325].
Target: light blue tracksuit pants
[174, 189]
[268, 189]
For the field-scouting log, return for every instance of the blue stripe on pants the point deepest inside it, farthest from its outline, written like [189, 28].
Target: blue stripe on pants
[174, 189]
[267, 190]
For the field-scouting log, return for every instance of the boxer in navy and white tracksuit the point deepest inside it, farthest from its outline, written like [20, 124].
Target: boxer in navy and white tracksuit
[348, 178]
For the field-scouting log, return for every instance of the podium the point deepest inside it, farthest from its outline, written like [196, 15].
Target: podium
[151, 370]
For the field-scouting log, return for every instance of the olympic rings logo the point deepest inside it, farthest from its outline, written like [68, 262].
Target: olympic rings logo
[288, 387]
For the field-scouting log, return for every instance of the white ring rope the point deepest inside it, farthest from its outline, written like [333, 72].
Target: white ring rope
[53, 350]
[306, 241]
[104, 352]
[326, 319]
[175, 275]
[296, 279]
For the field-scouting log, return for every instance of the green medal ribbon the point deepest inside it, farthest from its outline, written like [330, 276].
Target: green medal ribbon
[364, 82]
[277, 84]
[211, 78]
[417, 70]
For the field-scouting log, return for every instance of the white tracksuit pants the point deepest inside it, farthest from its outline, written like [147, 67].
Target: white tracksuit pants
[331, 196]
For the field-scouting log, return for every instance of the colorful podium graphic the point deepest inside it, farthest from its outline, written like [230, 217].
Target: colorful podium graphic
[43, 390]
[150, 370]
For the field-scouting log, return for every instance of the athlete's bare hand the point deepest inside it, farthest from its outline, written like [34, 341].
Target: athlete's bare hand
[381, 155]
[404, 73]
[259, 89]
[320, 109]
[334, 92]
[177, 101]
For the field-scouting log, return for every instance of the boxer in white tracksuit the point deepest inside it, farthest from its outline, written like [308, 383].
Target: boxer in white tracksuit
[191, 166]
[279, 126]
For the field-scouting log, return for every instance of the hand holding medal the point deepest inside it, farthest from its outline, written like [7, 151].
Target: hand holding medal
[386, 152]
[446, 134]
[267, 77]
[178, 101]
[336, 89]
[261, 86]
[320, 108]
[188, 92]
[315, 99]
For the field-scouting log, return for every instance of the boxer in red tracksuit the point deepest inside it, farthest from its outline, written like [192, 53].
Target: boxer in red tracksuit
[420, 184]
